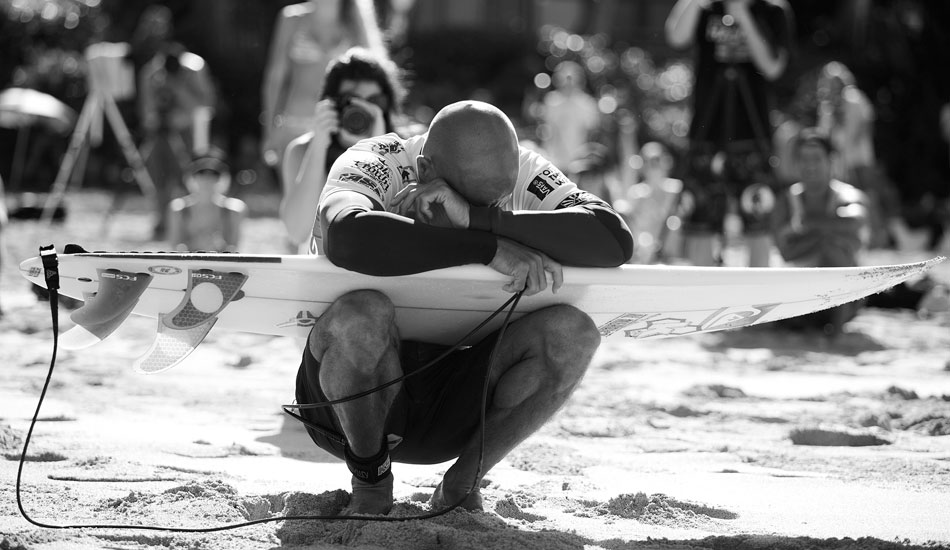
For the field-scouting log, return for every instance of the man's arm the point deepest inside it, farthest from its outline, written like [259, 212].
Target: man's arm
[589, 234]
[359, 236]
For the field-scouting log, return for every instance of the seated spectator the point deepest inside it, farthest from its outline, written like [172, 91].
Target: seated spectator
[206, 219]
[649, 206]
[823, 222]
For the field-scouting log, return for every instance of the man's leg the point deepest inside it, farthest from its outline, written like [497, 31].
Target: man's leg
[355, 341]
[538, 365]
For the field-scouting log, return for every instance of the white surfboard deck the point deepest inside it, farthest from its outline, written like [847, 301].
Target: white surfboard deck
[284, 294]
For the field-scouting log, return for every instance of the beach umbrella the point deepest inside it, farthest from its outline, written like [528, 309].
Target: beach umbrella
[23, 107]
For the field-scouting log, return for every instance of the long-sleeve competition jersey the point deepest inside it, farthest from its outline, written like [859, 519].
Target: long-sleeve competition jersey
[545, 211]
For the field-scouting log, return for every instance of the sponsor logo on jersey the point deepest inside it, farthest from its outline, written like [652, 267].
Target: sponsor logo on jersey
[539, 187]
[545, 182]
[405, 173]
[376, 170]
[579, 197]
[360, 179]
[554, 176]
[387, 147]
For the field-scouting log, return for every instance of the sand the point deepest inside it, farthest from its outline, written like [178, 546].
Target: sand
[754, 438]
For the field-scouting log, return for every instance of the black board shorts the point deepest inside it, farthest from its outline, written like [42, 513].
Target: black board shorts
[436, 411]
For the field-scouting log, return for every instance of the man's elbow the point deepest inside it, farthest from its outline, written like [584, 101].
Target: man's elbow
[621, 245]
[624, 249]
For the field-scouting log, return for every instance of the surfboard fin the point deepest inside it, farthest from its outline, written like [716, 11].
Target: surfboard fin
[182, 329]
[105, 309]
[171, 345]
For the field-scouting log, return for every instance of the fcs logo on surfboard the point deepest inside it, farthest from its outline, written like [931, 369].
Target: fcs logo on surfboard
[164, 270]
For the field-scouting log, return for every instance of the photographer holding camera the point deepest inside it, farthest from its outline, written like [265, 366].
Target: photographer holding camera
[360, 99]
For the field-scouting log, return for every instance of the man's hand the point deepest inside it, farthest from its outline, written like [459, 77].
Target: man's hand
[434, 203]
[527, 267]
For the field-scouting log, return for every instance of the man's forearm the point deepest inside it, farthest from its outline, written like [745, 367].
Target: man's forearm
[383, 244]
[581, 236]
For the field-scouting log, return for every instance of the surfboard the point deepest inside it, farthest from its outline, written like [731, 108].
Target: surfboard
[189, 293]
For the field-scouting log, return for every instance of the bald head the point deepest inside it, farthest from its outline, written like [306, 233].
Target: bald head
[473, 146]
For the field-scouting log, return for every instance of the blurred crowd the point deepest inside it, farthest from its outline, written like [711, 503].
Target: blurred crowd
[701, 152]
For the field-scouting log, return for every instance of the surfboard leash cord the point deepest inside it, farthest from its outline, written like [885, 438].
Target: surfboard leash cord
[51, 275]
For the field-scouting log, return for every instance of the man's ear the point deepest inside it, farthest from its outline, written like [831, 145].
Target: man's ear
[425, 169]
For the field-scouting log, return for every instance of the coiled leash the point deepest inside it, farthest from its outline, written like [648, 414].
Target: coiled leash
[51, 274]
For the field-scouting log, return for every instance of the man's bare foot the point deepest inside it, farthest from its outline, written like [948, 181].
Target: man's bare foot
[371, 499]
[442, 498]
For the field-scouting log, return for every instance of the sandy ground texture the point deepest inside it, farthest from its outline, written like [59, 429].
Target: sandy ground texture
[755, 438]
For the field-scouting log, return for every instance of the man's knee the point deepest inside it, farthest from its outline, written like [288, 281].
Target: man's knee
[562, 340]
[362, 319]
[569, 336]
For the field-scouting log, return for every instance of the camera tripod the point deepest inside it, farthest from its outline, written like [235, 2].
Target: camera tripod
[729, 83]
[99, 101]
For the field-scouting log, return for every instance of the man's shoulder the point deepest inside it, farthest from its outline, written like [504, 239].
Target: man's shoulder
[390, 145]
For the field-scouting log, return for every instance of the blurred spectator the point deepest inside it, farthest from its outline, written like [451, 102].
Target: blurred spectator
[206, 218]
[742, 45]
[361, 98]
[569, 116]
[152, 32]
[306, 37]
[823, 222]
[591, 171]
[649, 206]
[846, 114]
[176, 101]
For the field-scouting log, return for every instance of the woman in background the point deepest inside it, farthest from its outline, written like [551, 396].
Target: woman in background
[307, 36]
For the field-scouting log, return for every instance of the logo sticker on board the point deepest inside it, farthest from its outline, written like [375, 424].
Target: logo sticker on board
[302, 319]
[659, 325]
[164, 269]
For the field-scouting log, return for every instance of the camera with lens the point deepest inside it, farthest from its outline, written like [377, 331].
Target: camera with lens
[354, 119]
